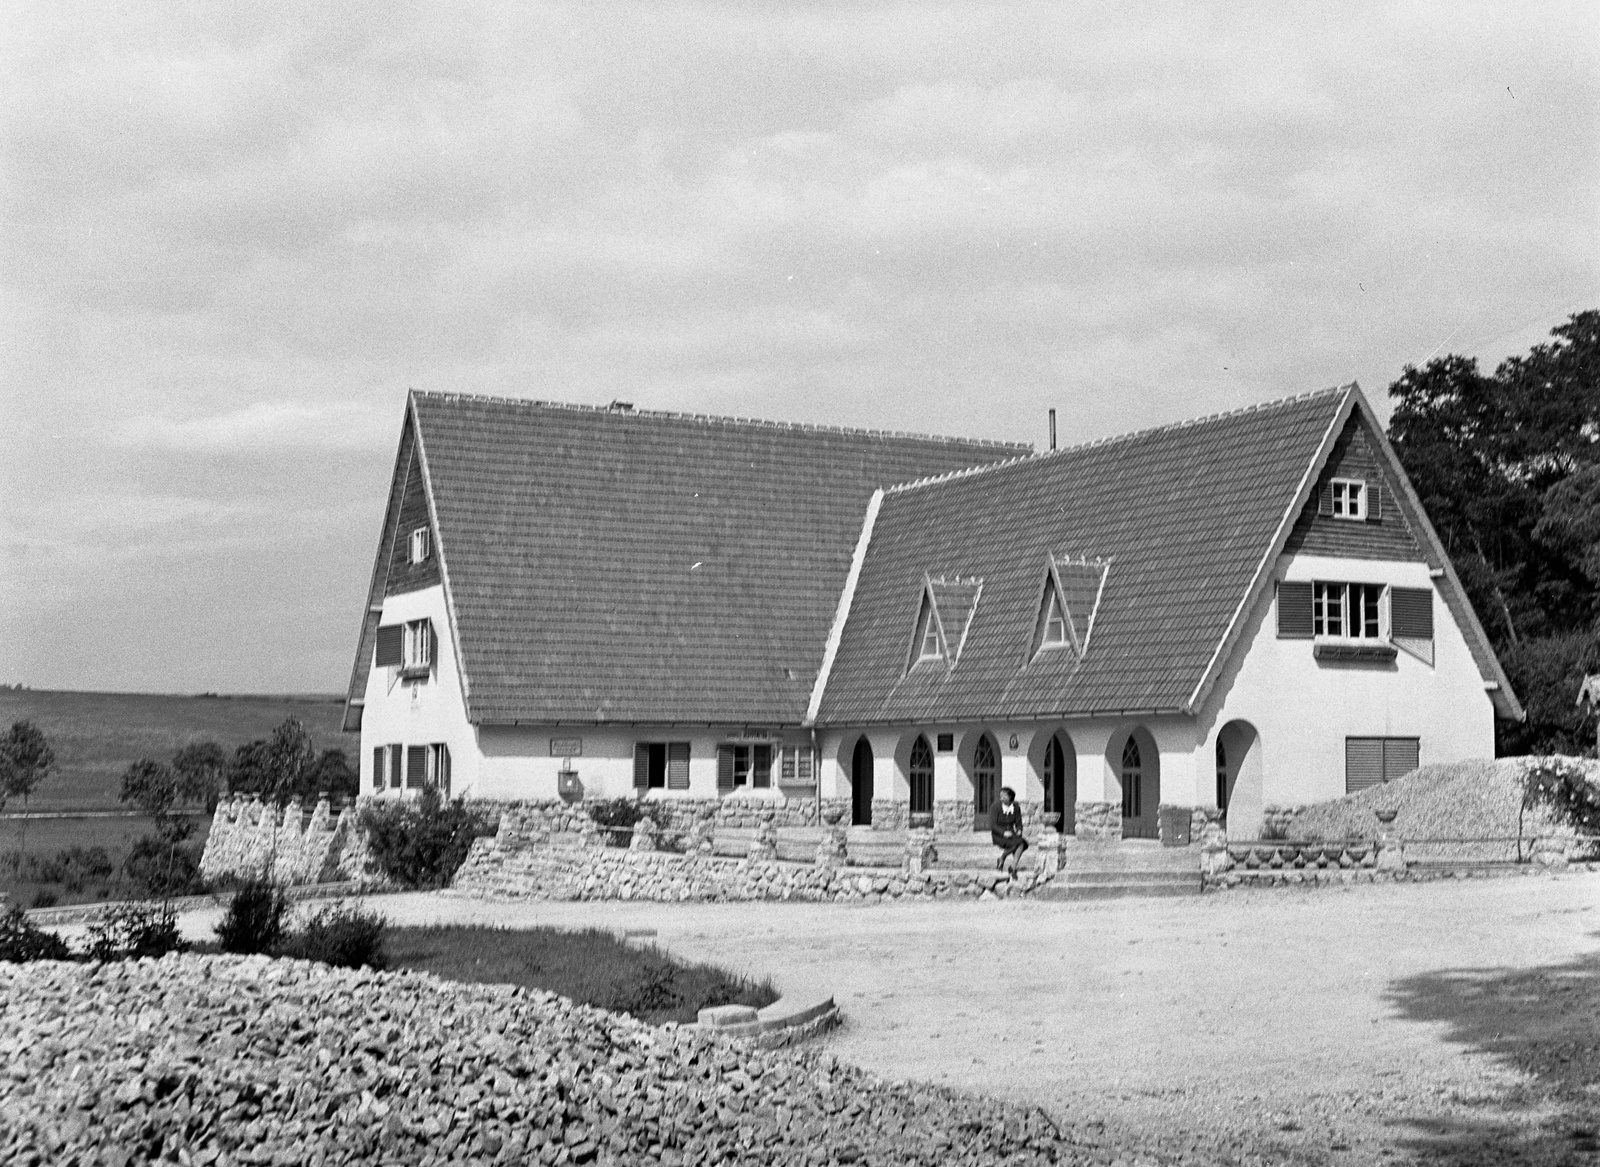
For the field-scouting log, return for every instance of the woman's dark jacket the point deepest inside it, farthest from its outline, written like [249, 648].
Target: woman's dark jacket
[1005, 826]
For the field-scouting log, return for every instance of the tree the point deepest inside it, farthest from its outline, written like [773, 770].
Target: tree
[26, 760]
[333, 774]
[199, 767]
[156, 862]
[277, 768]
[1508, 467]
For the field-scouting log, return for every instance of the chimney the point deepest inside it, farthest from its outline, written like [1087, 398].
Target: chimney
[1052, 429]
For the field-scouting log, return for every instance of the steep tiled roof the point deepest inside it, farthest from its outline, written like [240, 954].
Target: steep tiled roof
[1185, 514]
[649, 567]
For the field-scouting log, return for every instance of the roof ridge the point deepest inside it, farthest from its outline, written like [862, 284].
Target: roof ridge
[714, 418]
[970, 471]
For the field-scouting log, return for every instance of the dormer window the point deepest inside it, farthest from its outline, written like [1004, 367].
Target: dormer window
[1349, 498]
[927, 642]
[419, 545]
[1055, 622]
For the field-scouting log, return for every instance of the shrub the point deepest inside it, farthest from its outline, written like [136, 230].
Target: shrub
[254, 919]
[422, 843]
[342, 935]
[72, 867]
[45, 898]
[622, 815]
[129, 931]
[1563, 787]
[160, 869]
[22, 940]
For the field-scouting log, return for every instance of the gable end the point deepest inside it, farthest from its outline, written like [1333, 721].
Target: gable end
[1384, 534]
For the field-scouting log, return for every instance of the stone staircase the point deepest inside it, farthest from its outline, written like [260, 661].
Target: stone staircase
[1131, 868]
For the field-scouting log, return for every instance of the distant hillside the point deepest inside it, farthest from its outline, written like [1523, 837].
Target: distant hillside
[97, 735]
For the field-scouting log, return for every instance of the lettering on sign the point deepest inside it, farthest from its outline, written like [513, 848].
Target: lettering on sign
[751, 735]
[566, 747]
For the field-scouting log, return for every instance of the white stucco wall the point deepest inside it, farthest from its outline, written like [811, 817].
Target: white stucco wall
[1303, 709]
[423, 712]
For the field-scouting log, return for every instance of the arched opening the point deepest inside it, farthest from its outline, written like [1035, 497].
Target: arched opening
[1239, 779]
[920, 772]
[1137, 764]
[1059, 775]
[861, 784]
[985, 781]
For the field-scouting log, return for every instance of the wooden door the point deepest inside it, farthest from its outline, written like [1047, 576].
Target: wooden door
[985, 781]
[861, 785]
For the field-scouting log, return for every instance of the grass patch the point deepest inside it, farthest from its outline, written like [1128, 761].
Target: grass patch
[591, 967]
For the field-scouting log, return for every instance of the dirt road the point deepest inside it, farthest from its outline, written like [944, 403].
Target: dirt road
[1455, 1022]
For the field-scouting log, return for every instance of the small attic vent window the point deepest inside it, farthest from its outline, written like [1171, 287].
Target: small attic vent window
[1068, 604]
[419, 545]
[1347, 498]
[1055, 622]
[927, 639]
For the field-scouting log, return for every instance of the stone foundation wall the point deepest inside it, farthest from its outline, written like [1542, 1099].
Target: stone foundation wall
[1099, 821]
[583, 873]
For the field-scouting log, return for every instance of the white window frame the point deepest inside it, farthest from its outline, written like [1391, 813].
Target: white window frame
[1055, 621]
[438, 764]
[1349, 595]
[420, 545]
[1349, 498]
[416, 651]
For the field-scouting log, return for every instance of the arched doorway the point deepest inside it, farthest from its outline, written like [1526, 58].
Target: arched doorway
[1060, 779]
[1239, 779]
[985, 781]
[861, 784]
[1138, 769]
[920, 772]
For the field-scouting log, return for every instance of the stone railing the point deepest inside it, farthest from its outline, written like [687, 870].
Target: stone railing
[251, 839]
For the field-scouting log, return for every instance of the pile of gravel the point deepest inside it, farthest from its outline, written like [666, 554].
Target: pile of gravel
[1457, 800]
[206, 1060]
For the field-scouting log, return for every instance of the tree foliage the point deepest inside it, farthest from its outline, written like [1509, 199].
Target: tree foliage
[1508, 467]
[286, 766]
[200, 767]
[422, 842]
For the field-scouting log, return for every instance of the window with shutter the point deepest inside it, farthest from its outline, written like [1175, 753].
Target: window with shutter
[396, 761]
[1411, 612]
[761, 767]
[1374, 502]
[788, 765]
[390, 637]
[724, 768]
[416, 767]
[677, 765]
[1325, 499]
[1294, 611]
[378, 755]
[1363, 763]
[807, 763]
[1400, 756]
[641, 765]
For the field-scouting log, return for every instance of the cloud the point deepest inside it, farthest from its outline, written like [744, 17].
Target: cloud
[262, 427]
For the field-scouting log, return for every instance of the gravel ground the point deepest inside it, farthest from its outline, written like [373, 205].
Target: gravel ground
[1454, 1022]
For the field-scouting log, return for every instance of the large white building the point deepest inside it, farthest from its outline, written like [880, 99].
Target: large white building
[1235, 612]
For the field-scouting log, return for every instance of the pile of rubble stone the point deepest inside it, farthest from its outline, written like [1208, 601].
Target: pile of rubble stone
[206, 1060]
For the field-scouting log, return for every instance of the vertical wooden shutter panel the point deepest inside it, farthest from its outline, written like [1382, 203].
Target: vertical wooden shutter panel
[433, 646]
[396, 761]
[390, 637]
[1400, 757]
[377, 767]
[724, 767]
[677, 765]
[1363, 763]
[1294, 611]
[444, 770]
[416, 766]
[1374, 502]
[761, 767]
[641, 765]
[1325, 499]
[1411, 613]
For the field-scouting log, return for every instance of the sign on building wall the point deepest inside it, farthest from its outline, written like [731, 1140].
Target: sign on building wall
[566, 747]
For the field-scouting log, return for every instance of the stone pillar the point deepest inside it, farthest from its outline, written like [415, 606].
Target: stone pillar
[764, 848]
[1391, 852]
[1214, 857]
[645, 834]
[831, 848]
[1048, 849]
[1550, 852]
[920, 852]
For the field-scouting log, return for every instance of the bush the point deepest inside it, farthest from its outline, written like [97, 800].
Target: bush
[22, 940]
[621, 815]
[422, 843]
[160, 870]
[342, 935]
[254, 919]
[72, 867]
[1563, 787]
[45, 898]
[129, 931]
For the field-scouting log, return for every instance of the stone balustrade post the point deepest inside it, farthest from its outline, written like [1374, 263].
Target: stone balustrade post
[645, 835]
[831, 848]
[1550, 852]
[1214, 857]
[765, 845]
[921, 853]
[1391, 851]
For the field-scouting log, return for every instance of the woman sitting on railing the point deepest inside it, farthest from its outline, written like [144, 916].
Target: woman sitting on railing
[1005, 828]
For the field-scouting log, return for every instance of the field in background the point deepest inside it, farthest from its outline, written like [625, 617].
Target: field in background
[96, 736]
[116, 833]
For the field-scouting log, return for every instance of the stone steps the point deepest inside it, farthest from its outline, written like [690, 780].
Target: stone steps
[1104, 885]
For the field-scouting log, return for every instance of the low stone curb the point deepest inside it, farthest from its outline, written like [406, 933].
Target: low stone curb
[785, 1022]
[1309, 877]
[86, 913]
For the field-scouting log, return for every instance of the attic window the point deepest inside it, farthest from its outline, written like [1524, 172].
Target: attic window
[1055, 621]
[1068, 604]
[419, 545]
[1349, 498]
[927, 645]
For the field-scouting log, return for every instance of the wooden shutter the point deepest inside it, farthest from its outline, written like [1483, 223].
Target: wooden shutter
[1363, 763]
[396, 758]
[641, 765]
[724, 767]
[444, 769]
[761, 767]
[1325, 499]
[1374, 502]
[1294, 611]
[433, 646]
[390, 640]
[1411, 613]
[377, 767]
[1400, 756]
[677, 765]
[416, 766]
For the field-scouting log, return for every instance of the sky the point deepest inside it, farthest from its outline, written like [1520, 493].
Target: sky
[235, 235]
